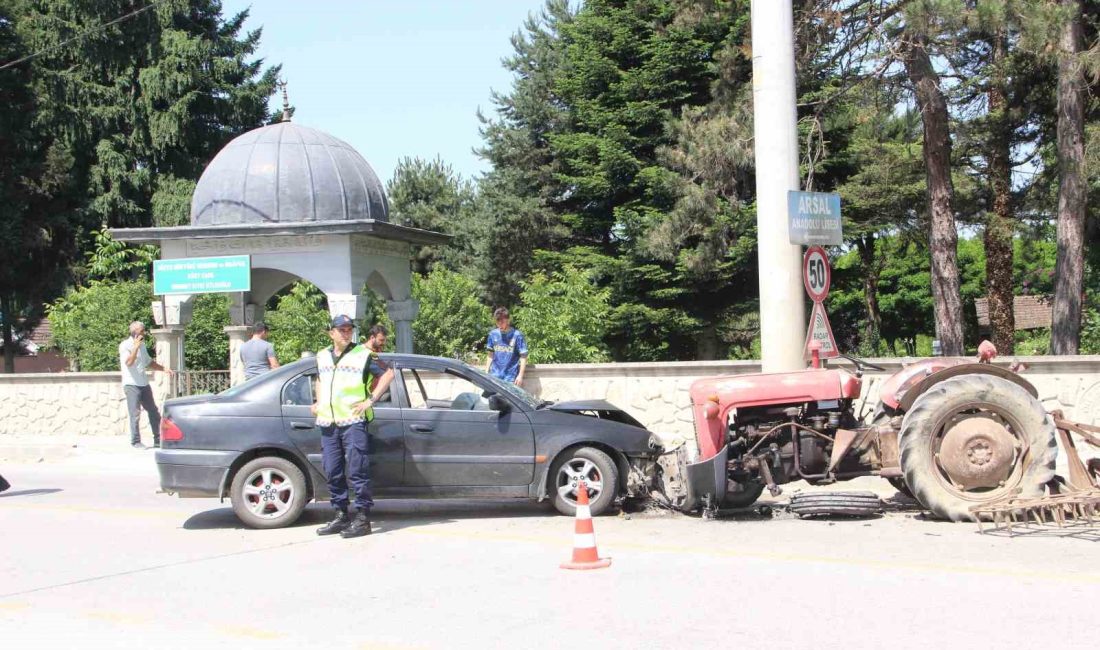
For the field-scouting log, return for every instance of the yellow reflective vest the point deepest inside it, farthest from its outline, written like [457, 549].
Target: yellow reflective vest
[341, 386]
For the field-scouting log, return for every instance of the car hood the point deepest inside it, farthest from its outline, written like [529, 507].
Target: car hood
[598, 408]
[572, 406]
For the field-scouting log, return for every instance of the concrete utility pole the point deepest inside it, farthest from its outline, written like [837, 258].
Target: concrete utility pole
[782, 315]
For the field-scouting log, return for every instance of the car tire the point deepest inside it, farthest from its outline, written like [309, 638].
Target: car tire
[594, 465]
[268, 492]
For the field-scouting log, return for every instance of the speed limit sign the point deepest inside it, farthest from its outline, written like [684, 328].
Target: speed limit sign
[816, 273]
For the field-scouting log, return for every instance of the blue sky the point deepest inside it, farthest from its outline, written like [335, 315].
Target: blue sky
[392, 78]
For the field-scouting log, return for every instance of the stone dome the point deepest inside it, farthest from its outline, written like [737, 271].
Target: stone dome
[286, 173]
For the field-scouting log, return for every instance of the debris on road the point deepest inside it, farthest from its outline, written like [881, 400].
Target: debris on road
[844, 504]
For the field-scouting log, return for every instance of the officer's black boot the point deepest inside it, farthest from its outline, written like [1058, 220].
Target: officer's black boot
[338, 523]
[359, 526]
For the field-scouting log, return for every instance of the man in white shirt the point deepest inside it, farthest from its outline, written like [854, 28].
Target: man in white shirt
[134, 360]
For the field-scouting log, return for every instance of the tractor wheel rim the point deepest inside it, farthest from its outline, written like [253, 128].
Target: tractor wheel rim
[268, 493]
[978, 453]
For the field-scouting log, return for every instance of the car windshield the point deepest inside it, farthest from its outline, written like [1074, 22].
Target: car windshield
[505, 387]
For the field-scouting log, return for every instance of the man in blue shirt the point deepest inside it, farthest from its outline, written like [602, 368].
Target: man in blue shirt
[507, 350]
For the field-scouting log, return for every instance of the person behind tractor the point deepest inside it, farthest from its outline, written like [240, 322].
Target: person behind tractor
[350, 379]
[507, 350]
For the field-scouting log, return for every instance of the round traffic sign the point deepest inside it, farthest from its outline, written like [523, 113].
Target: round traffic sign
[817, 275]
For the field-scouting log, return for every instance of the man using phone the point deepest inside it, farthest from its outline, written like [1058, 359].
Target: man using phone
[134, 360]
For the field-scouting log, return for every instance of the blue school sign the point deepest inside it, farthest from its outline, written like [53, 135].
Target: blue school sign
[188, 275]
[814, 218]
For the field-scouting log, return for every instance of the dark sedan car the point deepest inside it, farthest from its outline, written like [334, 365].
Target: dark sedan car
[444, 429]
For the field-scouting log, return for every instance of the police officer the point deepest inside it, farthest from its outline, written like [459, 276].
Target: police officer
[350, 378]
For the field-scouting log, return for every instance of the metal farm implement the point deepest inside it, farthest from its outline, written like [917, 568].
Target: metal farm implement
[1076, 501]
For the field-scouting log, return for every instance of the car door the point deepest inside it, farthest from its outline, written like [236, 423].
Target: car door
[386, 431]
[453, 438]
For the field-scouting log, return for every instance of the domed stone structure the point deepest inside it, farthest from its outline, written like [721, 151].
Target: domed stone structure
[287, 173]
[300, 205]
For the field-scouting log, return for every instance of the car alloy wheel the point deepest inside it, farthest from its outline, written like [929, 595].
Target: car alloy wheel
[268, 493]
[572, 473]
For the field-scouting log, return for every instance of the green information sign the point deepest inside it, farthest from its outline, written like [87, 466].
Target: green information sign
[202, 275]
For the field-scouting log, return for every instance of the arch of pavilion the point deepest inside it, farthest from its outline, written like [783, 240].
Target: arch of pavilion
[304, 206]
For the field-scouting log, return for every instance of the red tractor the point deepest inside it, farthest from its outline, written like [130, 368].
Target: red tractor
[952, 432]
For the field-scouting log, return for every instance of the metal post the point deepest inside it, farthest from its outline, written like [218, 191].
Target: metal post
[782, 312]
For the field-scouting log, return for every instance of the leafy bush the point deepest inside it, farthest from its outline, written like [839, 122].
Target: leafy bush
[299, 323]
[452, 321]
[89, 322]
[564, 317]
[1033, 342]
[206, 346]
[1090, 331]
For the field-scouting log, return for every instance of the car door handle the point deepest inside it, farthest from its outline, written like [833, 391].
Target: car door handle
[423, 428]
[301, 425]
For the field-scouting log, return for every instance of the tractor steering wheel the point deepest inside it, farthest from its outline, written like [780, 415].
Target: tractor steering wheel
[860, 364]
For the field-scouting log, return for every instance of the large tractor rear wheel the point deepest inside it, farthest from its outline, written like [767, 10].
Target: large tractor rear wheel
[974, 439]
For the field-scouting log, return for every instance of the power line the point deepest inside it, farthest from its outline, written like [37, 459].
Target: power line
[83, 34]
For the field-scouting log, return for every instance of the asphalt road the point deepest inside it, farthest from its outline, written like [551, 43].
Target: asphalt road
[94, 558]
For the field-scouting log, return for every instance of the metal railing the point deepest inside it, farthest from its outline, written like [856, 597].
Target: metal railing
[198, 382]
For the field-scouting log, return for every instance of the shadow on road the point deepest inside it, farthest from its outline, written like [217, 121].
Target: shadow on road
[29, 493]
[389, 515]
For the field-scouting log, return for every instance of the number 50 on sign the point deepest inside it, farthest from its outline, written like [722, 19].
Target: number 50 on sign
[816, 273]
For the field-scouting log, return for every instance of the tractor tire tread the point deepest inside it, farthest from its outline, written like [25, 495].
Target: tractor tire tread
[954, 393]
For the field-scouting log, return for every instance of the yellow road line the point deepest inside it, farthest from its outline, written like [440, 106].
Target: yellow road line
[125, 512]
[1054, 576]
[248, 632]
[13, 606]
[119, 618]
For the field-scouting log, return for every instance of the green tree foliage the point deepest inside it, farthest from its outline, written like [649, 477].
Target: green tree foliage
[142, 105]
[299, 323]
[452, 321]
[206, 346]
[581, 171]
[515, 197]
[89, 322]
[39, 229]
[114, 261]
[429, 195]
[564, 317]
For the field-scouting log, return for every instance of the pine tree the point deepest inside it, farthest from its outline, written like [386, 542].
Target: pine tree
[38, 223]
[142, 105]
[429, 195]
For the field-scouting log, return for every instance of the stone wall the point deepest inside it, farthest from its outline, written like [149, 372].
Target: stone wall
[655, 393]
[69, 403]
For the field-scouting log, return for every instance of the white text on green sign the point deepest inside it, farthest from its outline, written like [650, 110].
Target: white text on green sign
[228, 274]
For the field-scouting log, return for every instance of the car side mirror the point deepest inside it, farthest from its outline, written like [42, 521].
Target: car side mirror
[498, 403]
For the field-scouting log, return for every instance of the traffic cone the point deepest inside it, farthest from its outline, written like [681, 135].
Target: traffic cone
[585, 555]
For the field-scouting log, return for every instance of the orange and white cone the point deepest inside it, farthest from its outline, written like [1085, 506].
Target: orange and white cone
[585, 555]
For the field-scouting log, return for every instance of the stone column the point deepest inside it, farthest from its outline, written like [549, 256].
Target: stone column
[169, 353]
[403, 313]
[237, 334]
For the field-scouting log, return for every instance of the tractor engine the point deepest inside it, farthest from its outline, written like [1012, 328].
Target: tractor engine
[757, 431]
[762, 440]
